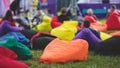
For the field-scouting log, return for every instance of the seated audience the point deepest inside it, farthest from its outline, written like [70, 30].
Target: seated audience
[63, 16]
[58, 20]
[37, 19]
[8, 24]
[90, 35]
[113, 19]
[91, 17]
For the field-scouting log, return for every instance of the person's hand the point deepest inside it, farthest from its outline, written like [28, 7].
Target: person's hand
[21, 28]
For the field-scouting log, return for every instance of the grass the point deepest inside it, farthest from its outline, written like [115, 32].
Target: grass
[94, 61]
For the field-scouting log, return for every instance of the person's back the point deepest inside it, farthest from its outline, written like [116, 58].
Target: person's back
[86, 24]
[91, 17]
[63, 16]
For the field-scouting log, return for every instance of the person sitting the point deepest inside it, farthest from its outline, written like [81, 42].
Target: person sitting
[22, 19]
[86, 24]
[87, 33]
[49, 13]
[8, 24]
[58, 20]
[112, 9]
[63, 16]
[113, 19]
[37, 19]
[91, 17]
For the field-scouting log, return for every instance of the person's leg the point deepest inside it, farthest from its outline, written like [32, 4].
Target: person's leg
[87, 35]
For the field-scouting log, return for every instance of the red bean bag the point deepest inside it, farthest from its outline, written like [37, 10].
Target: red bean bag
[0, 20]
[5, 52]
[55, 23]
[9, 63]
[60, 51]
[113, 21]
[91, 19]
[99, 26]
[8, 59]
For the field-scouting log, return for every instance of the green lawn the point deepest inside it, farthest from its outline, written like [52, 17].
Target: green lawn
[94, 61]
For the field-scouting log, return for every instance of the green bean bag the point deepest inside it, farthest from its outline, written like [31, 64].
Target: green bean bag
[21, 50]
[44, 26]
[66, 31]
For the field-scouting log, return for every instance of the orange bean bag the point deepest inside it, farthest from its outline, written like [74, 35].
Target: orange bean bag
[99, 26]
[113, 21]
[60, 51]
[115, 33]
[91, 19]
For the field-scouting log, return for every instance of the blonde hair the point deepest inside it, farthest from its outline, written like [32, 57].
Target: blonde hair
[90, 11]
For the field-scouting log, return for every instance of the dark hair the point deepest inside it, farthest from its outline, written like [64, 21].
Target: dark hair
[49, 11]
[113, 6]
[8, 15]
[86, 24]
[64, 10]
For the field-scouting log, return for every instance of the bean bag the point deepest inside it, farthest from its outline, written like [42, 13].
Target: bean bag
[45, 25]
[55, 23]
[60, 51]
[113, 21]
[110, 46]
[66, 31]
[21, 50]
[99, 26]
[9, 63]
[91, 19]
[18, 37]
[115, 33]
[5, 52]
[28, 33]
[41, 40]
[104, 36]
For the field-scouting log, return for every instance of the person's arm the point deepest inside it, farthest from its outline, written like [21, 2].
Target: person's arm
[9, 27]
[94, 16]
[33, 18]
[108, 15]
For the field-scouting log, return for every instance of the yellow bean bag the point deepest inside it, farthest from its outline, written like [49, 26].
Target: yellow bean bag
[44, 26]
[66, 31]
[61, 51]
[104, 36]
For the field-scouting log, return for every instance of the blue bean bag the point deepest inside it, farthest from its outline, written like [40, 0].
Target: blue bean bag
[18, 37]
